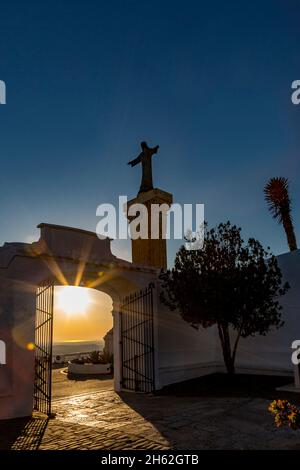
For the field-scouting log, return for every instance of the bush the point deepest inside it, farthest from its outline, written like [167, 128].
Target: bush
[95, 357]
[107, 358]
[78, 360]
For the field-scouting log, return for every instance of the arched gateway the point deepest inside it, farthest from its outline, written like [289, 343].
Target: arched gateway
[28, 274]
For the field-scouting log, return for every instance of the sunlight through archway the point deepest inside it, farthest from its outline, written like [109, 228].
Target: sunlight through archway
[73, 300]
[81, 314]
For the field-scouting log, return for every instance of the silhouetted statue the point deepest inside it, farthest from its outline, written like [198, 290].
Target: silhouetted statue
[146, 158]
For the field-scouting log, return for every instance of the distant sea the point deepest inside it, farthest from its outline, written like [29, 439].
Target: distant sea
[73, 347]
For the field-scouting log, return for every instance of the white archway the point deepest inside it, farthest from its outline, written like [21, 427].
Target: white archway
[67, 256]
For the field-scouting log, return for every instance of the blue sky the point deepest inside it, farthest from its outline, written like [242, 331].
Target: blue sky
[210, 82]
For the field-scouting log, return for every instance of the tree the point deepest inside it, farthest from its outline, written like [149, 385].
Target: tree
[228, 283]
[279, 203]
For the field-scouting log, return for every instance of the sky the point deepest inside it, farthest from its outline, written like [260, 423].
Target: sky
[210, 82]
[81, 314]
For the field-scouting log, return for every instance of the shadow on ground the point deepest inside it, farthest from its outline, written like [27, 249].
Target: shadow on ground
[22, 433]
[212, 412]
[84, 378]
[219, 412]
[238, 385]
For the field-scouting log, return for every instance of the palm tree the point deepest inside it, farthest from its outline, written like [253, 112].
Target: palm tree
[277, 197]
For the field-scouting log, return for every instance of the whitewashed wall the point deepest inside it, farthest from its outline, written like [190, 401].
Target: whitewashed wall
[183, 352]
[272, 353]
[22, 268]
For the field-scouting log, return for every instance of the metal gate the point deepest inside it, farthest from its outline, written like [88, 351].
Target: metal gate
[137, 341]
[43, 347]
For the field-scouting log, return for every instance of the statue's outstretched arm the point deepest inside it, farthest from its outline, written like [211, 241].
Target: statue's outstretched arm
[135, 161]
[154, 150]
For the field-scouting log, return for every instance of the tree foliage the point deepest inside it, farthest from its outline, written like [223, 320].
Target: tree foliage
[232, 284]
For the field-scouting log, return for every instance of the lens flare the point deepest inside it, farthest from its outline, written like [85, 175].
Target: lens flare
[73, 300]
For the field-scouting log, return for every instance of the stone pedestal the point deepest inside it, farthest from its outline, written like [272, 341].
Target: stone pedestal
[151, 251]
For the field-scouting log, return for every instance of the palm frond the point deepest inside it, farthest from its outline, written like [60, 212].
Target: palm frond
[277, 197]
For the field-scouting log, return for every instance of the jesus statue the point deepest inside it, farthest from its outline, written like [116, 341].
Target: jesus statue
[145, 157]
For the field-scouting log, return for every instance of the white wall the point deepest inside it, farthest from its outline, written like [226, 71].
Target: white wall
[17, 320]
[183, 352]
[21, 271]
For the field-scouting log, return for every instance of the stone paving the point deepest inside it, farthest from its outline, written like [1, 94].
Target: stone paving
[106, 420]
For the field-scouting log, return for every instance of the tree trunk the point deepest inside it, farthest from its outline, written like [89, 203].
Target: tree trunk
[290, 233]
[226, 348]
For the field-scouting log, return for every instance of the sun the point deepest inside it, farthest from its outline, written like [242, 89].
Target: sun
[73, 300]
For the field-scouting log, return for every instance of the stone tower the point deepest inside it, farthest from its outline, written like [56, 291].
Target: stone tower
[152, 251]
